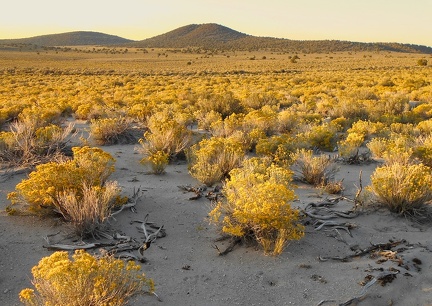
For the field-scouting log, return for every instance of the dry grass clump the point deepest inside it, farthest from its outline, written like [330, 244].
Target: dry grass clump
[402, 187]
[108, 131]
[28, 143]
[88, 208]
[315, 170]
[333, 187]
[84, 280]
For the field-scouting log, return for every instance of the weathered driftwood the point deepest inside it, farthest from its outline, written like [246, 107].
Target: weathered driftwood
[362, 294]
[151, 233]
[137, 194]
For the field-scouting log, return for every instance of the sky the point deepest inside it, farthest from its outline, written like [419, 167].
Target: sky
[402, 21]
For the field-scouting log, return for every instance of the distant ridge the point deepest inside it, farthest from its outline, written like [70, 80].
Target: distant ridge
[77, 38]
[214, 36]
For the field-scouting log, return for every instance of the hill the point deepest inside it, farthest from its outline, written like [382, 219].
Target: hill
[78, 38]
[208, 35]
[214, 36]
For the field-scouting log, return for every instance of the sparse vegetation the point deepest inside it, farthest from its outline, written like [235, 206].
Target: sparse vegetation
[248, 125]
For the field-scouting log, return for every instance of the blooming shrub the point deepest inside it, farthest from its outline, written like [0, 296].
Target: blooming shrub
[228, 126]
[165, 134]
[89, 166]
[264, 119]
[402, 187]
[279, 148]
[257, 205]
[157, 161]
[321, 137]
[84, 280]
[212, 159]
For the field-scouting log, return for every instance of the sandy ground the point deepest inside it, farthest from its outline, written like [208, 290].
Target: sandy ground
[188, 271]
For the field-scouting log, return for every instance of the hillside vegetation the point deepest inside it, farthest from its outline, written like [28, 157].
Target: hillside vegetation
[212, 36]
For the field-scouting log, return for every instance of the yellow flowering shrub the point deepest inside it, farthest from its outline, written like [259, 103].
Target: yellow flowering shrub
[360, 132]
[90, 166]
[278, 147]
[212, 159]
[423, 150]
[228, 126]
[205, 120]
[321, 137]
[402, 187]
[157, 161]
[350, 146]
[397, 148]
[257, 205]
[378, 146]
[264, 119]
[165, 134]
[84, 280]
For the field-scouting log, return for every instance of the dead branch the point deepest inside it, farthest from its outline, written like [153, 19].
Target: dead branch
[357, 201]
[135, 197]
[231, 247]
[380, 246]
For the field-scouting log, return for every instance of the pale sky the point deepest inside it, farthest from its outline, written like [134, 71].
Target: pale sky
[403, 21]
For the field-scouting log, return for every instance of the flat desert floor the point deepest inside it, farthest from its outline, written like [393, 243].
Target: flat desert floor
[188, 270]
